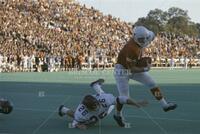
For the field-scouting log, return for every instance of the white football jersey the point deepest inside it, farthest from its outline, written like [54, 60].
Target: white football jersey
[84, 116]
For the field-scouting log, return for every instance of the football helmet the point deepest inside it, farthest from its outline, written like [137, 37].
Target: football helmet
[91, 102]
[6, 106]
[142, 36]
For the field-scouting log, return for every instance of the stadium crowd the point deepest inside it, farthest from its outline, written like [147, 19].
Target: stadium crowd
[62, 35]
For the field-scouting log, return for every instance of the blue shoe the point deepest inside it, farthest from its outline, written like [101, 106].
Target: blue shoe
[119, 120]
[171, 106]
[99, 81]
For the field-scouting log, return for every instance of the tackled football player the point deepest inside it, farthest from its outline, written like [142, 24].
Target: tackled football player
[95, 107]
[132, 65]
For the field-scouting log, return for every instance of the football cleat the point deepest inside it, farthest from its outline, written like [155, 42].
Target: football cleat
[99, 81]
[170, 106]
[119, 120]
[60, 111]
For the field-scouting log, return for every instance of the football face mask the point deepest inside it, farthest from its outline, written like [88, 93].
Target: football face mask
[142, 36]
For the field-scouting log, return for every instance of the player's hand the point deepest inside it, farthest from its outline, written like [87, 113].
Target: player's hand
[81, 126]
[144, 64]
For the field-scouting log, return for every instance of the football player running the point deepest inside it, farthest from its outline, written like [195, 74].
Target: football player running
[5, 106]
[95, 107]
[129, 66]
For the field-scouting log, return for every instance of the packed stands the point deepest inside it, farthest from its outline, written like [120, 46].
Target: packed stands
[62, 35]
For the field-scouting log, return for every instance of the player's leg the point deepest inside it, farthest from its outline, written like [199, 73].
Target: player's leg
[110, 100]
[148, 81]
[96, 85]
[122, 79]
[118, 115]
[65, 111]
[110, 109]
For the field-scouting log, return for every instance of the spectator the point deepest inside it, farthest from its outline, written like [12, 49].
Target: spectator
[29, 28]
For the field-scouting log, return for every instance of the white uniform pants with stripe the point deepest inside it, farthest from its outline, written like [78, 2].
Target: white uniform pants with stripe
[122, 77]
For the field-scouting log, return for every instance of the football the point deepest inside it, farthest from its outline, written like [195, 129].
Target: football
[143, 62]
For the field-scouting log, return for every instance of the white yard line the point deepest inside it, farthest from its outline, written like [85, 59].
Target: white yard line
[155, 122]
[47, 119]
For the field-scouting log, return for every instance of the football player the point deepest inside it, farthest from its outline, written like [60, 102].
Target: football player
[131, 65]
[95, 107]
[5, 106]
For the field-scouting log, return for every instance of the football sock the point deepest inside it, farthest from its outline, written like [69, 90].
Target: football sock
[118, 113]
[110, 109]
[64, 110]
[98, 89]
[163, 102]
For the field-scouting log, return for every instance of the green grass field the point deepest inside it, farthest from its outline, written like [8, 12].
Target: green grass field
[37, 96]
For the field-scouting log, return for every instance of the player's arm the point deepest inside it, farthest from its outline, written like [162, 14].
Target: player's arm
[120, 100]
[83, 124]
[126, 100]
[132, 65]
[80, 121]
[79, 125]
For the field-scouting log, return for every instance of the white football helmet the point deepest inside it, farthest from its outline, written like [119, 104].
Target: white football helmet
[142, 36]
